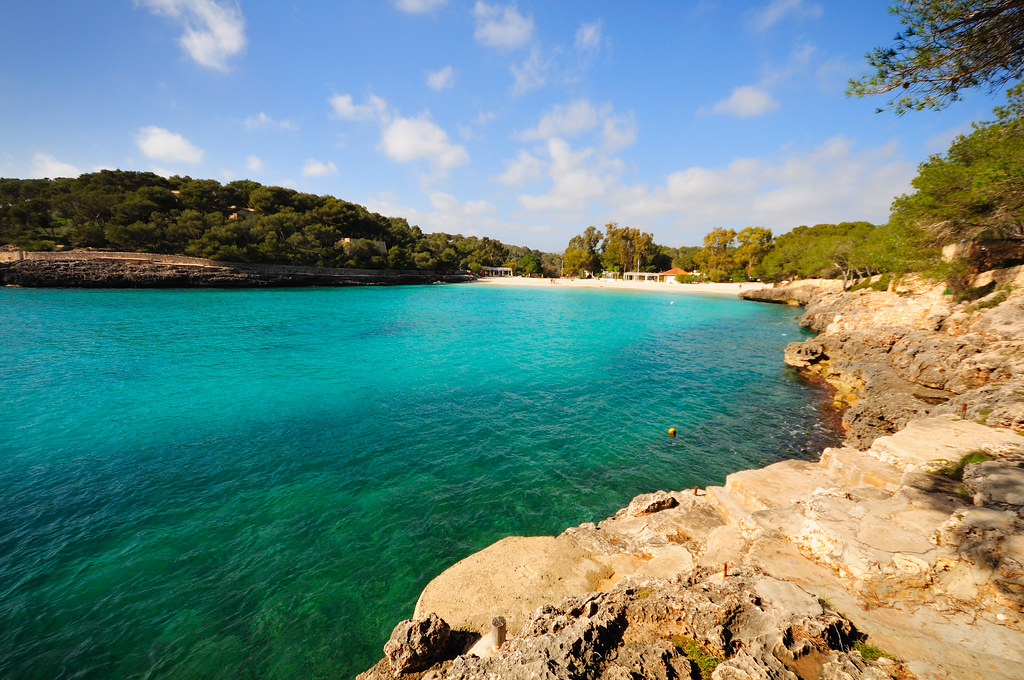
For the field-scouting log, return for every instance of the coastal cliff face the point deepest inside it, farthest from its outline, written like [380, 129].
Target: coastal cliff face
[911, 352]
[911, 536]
[146, 273]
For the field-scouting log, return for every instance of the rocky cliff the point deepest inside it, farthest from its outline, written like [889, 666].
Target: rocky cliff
[145, 273]
[912, 351]
[898, 556]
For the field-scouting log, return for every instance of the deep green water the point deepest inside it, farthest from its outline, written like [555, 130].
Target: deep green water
[258, 484]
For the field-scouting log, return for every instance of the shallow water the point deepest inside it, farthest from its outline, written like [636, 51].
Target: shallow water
[228, 484]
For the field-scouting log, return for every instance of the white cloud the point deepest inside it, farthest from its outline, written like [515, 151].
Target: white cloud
[163, 145]
[588, 36]
[254, 163]
[501, 27]
[213, 32]
[447, 214]
[315, 168]
[525, 168]
[410, 139]
[564, 121]
[746, 102]
[832, 182]
[44, 165]
[581, 116]
[528, 75]
[579, 179]
[345, 107]
[776, 10]
[441, 79]
[419, 6]
[262, 120]
[619, 133]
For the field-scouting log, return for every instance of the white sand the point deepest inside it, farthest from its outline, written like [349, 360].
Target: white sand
[608, 284]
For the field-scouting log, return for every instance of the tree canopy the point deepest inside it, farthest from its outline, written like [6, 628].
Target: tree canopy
[241, 221]
[947, 46]
[976, 189]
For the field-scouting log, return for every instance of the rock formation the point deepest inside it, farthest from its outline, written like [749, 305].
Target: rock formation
[145, 273]
[913, 351]
[912, 536]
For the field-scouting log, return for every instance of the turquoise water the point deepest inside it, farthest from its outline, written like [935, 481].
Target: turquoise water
[257, 484]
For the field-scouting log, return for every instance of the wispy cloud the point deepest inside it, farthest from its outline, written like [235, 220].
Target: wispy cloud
[561, 120]
[588, 36]
[831, 180]
[262, 120]
[213, 32]
[525, 168]
[315, 168]
[419, 6]
[746, 102]
[777, 10]
[501, 27]
[163, 145]
[529, 74]
[345, 107]
[441, 79]
[44, 165]
[254, 163]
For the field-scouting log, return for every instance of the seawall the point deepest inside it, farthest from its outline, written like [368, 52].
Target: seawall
[783, 571]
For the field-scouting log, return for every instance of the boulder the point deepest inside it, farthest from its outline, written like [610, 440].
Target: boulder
[416, 644]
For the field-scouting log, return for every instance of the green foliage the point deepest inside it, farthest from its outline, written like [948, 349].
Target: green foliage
[849, 249]
[242, 221]
[947, 46]
[956, 470]
[527, 265]
[695, 652]
[975, 190]
[716, 260]
[870, 652]
[626, 249]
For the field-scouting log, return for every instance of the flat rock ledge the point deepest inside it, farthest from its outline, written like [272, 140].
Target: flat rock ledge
[777, 574]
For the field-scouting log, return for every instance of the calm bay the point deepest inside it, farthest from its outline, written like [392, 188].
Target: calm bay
[226, 484]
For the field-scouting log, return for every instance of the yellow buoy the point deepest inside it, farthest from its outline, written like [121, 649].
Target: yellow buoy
[671, 432]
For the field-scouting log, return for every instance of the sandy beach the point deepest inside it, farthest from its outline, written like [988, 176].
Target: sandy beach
[670, 286]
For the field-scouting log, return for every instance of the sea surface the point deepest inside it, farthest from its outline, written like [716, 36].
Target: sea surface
[258, 484]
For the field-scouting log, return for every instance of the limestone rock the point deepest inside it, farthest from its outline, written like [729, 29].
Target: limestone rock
[994, 483]
[416, 644]
[650, 503]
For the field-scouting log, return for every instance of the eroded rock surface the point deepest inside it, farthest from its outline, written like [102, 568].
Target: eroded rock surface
[906, 353]
[748, 625]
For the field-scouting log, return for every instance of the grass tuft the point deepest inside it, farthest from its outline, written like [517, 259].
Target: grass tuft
[697, 653]
[956, 470]
[872, 653]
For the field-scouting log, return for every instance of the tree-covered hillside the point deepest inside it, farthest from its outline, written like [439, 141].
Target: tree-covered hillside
[241, 221]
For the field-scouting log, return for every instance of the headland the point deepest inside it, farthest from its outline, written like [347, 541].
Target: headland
[898, 555]
[101, 269]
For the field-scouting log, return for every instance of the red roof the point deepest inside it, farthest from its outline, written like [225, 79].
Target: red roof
[675, 271]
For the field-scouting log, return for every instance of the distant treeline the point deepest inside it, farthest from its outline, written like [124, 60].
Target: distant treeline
[850, 249]
[973, 196]
[241, 221]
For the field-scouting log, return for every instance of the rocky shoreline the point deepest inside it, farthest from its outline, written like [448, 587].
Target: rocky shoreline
[885, 559]
[144, 272]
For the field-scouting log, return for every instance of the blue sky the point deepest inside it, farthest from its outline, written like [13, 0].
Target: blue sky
[524, 121]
